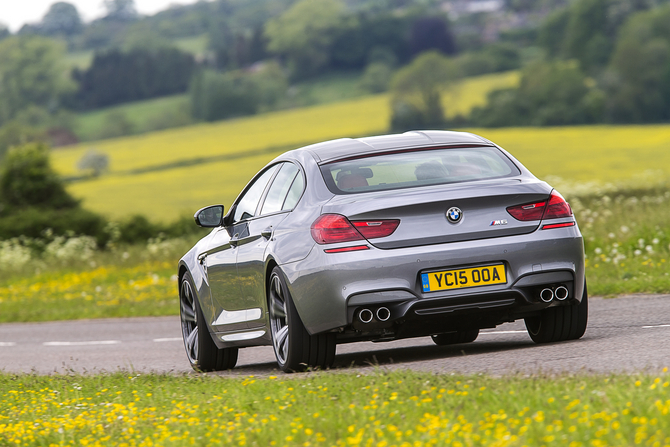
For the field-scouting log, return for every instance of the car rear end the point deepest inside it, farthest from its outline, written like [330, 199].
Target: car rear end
[425, 240]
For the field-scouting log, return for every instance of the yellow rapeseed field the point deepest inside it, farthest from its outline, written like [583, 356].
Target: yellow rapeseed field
[156, 174]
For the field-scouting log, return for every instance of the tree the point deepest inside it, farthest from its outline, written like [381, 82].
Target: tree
[432, 33]
[639, 78]
[31, 74]
[27, 180]
[115, 76]
[62, 19]
[417, 91]
[549, 94]
[121, 10]
[303, 34]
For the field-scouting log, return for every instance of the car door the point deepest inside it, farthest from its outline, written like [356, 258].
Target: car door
[280, 198]
[231, 309]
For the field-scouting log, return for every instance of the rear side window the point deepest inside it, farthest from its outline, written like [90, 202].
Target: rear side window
[246, 206]
[416, 168]
[280, 188]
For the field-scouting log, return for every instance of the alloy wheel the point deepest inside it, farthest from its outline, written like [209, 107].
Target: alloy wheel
[189, 321]
[278, 323]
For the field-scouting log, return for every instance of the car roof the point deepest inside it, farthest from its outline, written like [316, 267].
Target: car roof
[348, 147]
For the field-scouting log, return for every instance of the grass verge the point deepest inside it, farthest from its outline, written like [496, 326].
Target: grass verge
[626, 238]
[381, 409]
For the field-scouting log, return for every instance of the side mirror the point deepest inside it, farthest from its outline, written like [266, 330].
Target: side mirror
[209, 216]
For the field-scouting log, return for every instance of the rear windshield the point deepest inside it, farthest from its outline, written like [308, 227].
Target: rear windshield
[417, 168]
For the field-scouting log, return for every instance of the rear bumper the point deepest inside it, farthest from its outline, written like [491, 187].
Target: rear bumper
[330, 289]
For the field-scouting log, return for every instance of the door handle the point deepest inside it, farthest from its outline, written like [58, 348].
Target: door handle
[201, 258]
[235, 239]
[267, 233]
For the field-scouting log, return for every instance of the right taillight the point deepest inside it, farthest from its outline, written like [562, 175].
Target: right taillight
[553, 208]
[332, 228]
[557, 207]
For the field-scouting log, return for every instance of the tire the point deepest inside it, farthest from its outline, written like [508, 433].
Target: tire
[294, 348]
[453, 338]
[560, 323]
[202, 353]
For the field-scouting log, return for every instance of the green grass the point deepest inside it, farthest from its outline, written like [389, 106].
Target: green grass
[141, 114]
[379, 409]
[196, 45]
[80, 59]
[627, 241]
[333, 87]
[123, 281]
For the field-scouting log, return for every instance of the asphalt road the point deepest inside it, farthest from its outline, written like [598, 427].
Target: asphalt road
[625, 334]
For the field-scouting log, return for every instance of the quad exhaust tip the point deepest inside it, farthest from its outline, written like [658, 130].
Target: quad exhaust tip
[547, 295]
[365, 315]
[561, 293]
[383, 314]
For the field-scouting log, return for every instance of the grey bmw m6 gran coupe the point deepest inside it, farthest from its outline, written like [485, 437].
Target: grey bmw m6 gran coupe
[429, 233]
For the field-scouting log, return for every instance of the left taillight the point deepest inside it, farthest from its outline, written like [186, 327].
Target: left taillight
[333, 228]
[554, 208]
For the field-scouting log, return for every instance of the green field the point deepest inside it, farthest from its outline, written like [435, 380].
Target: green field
[381, 409]
[142, 115]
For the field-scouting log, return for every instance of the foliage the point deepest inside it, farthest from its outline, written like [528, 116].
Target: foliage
[62, 19]
[493, 58]
[116, 77]
[638, 84]
[27, 180]
[431, 33]
[16, 133]
[375, 408]
[304, 32]
[586, 30]
[33, 221]
[376, 77]
[121, 10]
[550, 94]
[30, 74]
[93, 162]
[417, 90]
[215, 96]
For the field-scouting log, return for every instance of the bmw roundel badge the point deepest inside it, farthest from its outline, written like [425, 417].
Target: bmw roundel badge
[454, 214]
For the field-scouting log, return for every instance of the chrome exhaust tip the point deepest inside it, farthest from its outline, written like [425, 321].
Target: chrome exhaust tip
[547, 295]
[561, 293]
[365, 316]
[383, 314]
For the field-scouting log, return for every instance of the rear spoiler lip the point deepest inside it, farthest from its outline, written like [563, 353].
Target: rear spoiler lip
[405, 150]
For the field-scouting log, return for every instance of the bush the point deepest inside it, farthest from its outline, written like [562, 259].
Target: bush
[550, 94]
[33, 222]
[216, 96]
[27, 180]
[376, 78]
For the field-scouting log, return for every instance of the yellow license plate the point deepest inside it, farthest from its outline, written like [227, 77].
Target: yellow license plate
[462, 278]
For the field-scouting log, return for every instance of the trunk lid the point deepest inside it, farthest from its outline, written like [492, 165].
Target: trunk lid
[423, 211]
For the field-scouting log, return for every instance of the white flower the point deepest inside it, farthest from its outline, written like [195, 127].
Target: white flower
[637, 252]
[598, 250]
